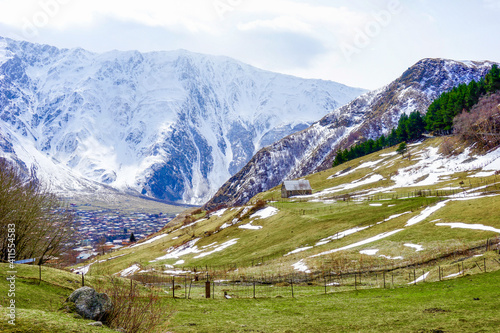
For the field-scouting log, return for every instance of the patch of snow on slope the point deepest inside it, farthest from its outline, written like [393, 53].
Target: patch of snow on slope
[218, 248]
[340, 235]
[453, 275]
[301, 267]
[395, 216]
[369, 252]
[300, 249]
[219, 213]
[426, 213]
[433, 168]
[420, 279]
[415, 246]
[469, 226]
[250, 226]
[149, 241]
[129, 271]
[175, 253]
[391, 258]
[357, 183]
[363, 242]
[265, 213]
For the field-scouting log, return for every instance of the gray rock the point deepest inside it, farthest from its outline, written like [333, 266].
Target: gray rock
[89, 303]
[96, 323]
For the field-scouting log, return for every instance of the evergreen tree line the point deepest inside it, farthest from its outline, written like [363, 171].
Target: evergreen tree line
[440, 114]
[409, 128]
[438, 119]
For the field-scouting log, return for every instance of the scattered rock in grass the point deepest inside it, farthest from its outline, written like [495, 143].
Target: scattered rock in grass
[96, 323]
[89, 303]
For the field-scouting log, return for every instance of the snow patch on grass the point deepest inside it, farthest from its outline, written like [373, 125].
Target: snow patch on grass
[415, 246]
[219, 248]
[176, 252]
[363, 242]
[149, 241]
[369, 252]
[301, 267]
[300, 249]
[420, 279]
[129, 271]
[265, 213]
[469, 226]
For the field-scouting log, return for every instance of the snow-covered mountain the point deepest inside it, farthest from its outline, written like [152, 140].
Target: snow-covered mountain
[369, 116]
[170, 125]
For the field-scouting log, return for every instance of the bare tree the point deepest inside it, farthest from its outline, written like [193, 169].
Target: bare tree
[41, 224]
[482, 124]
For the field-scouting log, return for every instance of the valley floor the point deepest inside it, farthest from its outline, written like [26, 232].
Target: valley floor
[466, 304]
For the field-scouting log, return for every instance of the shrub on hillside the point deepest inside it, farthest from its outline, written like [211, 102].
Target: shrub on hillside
[482, 124]
[133, 311]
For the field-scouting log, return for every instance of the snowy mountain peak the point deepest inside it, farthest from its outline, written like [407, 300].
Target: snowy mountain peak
[170, 125]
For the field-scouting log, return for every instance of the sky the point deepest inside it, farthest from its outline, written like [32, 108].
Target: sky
[359, 43]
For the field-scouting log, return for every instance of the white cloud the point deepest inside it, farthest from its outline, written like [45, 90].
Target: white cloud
[298, 37]
[281, 23]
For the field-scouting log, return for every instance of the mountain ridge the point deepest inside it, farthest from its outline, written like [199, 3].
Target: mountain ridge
[172, 125]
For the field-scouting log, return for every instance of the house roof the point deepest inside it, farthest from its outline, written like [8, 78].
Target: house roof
[297, 185]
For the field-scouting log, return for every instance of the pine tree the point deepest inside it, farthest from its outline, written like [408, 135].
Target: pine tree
[402, 148]
[132, 238]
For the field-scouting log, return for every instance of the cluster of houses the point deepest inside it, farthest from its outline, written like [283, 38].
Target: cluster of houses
[107, 230]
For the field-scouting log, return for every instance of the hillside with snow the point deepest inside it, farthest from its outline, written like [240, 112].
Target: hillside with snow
[169, 125]
[384, 208]
[368, 116]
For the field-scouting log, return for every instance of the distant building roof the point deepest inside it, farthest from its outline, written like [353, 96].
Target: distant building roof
[297, 185]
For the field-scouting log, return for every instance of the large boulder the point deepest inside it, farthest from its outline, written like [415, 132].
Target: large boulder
[89, 303]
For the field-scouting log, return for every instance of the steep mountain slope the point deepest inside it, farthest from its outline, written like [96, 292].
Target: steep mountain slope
[170, 125]
[370, 115]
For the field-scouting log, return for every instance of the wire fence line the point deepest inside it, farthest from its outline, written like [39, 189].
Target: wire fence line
[232, 285]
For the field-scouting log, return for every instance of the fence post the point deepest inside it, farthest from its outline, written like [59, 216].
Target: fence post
[254, 288]
[484, 264]
[83, 280]
[291, 283]
[384, 279]
[207, 289]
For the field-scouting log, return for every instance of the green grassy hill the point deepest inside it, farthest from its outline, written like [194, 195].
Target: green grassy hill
[373, 205]
[422, 212]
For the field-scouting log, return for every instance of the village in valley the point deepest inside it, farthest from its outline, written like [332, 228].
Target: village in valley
[105, 230]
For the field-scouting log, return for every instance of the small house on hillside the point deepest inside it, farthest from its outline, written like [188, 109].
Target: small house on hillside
[295, 187]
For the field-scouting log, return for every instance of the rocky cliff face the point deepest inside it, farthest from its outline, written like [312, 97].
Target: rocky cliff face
[370, 115]
[170, 125]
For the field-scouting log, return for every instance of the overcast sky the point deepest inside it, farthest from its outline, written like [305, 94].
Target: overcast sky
[356, 42]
